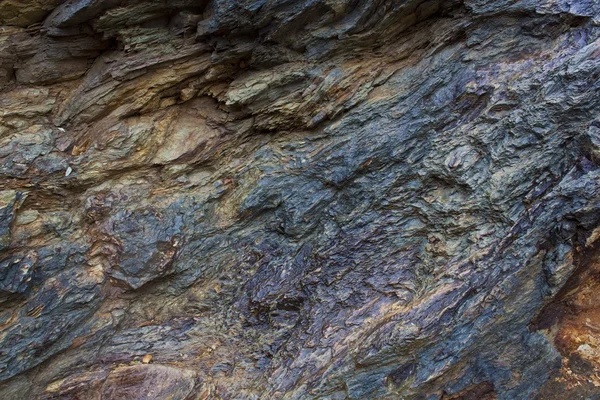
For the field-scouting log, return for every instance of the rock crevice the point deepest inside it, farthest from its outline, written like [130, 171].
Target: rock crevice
[298, 199]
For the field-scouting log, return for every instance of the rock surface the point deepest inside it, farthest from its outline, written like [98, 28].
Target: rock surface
[312, 199]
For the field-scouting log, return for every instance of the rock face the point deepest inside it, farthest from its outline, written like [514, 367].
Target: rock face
[308, 199]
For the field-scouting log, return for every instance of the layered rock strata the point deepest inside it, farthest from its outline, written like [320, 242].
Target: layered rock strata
[312, 199]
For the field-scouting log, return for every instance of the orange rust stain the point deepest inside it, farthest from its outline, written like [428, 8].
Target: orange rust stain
[572, 321]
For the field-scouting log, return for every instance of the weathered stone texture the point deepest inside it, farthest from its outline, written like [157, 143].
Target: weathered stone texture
[309, 199]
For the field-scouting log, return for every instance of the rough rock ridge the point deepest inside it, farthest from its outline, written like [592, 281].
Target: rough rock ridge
[299, 199]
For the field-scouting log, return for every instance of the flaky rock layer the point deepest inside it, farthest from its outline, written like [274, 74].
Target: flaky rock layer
[311, 199]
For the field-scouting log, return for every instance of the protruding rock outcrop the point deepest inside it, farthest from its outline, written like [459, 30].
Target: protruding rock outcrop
[299, 199]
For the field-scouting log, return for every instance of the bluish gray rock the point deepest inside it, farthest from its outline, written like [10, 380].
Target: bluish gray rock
[313, 199]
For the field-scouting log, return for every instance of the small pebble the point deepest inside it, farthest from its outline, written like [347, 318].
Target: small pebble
[68, 171]
[147, 359]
